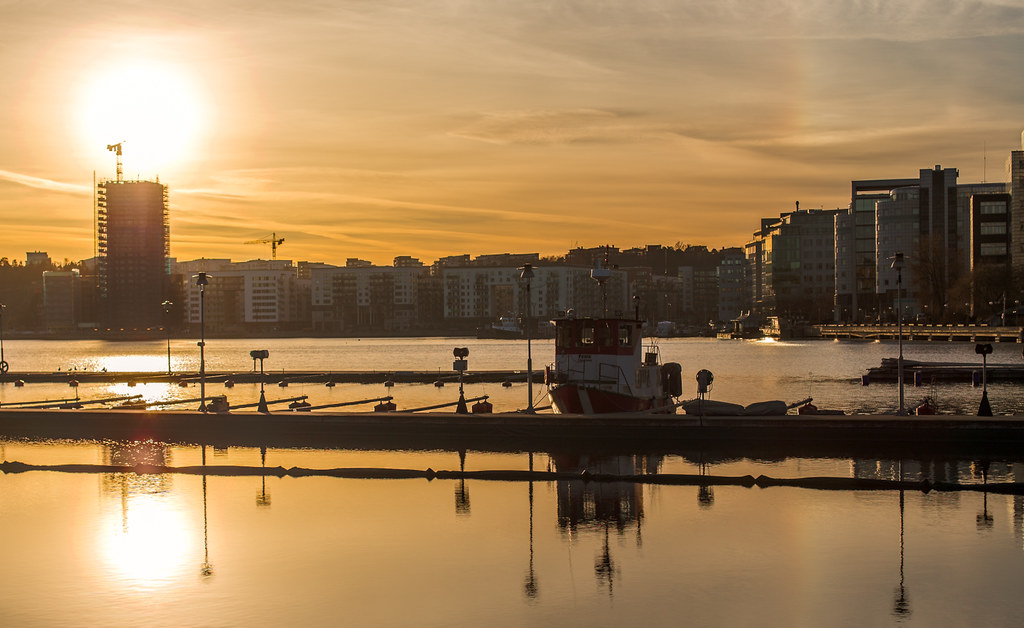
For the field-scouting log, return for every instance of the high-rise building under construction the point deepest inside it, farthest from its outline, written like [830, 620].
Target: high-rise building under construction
[133, 245]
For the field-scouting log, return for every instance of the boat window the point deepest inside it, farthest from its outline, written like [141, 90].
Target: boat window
[605, 335]
[625, 335]
[564, 336]
[587, 337]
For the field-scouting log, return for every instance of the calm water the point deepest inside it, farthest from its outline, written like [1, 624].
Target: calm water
[745, 371]
[114, 549]
[111, 549]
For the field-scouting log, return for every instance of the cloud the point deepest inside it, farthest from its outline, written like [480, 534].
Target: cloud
[44, 184]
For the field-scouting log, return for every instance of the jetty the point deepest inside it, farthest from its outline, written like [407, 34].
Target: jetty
[268, 377]
[920, 373]
[740, 435]
[912, 332]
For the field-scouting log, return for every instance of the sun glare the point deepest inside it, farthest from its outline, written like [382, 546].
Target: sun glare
[153, 109]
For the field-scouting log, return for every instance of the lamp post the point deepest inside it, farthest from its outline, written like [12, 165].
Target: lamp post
[202, 280]
[3, 363]
[261, 354]
[526, 275]
[167, 315]
[897, 265]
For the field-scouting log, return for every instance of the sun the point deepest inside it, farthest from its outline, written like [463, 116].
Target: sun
[152, 108]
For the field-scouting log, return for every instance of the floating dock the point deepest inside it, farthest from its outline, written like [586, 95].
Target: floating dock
[774, 435]
[911, 332]
[269, 377]
[923, 373]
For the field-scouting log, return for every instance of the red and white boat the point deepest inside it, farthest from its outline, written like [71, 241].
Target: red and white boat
[601, 366]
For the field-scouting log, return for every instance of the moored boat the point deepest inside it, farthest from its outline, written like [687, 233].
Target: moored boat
[602, 366]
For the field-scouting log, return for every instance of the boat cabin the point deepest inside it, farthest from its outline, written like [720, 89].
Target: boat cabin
[605, 352]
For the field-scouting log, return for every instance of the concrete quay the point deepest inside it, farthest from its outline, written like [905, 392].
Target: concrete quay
[741, 436]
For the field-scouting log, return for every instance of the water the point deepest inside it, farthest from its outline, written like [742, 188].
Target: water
[745, 371]
[114, 549]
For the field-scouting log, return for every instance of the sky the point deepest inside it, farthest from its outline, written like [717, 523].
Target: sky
[372, 129]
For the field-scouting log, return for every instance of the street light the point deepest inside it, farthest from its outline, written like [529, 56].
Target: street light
[526, 275]
[897, 265]
[3, 363]
[260, 354]
[167, 314]
[202, 280]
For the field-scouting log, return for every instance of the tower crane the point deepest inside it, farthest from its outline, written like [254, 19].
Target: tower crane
[273, 241]
[116, 148]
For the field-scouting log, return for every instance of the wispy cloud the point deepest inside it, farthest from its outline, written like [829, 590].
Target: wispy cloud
[44, 184]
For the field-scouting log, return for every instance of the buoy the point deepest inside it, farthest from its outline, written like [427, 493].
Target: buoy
[865, 379]
[388, 383]
[330, 384]
[506, 384]
[183, 383]
[73, 383]
[439, 384]
[229, 384]
[18, 383]
[283, 384]
[384, 407]
[131, 383]
[976, 378]
[918, 378]
[482, 407]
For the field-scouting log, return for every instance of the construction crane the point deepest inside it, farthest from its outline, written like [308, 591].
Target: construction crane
[273, 241]
[116, 148]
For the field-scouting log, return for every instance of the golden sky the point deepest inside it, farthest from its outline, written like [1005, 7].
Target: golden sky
[379, 128]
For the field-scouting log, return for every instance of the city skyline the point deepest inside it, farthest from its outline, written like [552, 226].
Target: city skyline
[374, 131]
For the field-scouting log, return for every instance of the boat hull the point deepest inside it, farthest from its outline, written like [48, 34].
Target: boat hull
[579, 399]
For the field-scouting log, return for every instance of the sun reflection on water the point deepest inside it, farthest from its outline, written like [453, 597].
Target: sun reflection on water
[149, 543]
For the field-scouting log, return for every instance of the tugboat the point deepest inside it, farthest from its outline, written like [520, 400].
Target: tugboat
[601, 366]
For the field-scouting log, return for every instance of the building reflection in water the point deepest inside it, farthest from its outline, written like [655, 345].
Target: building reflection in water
[125, 485]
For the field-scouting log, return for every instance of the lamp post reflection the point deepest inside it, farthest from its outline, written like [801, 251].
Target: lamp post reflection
[206, 569]
[530, 584]
[901, 605]
[984, 519]
[263, 499]
[461, 494]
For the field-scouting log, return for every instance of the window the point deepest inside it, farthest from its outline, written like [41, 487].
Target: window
[992, 207]
[993, 248]
[992, 228]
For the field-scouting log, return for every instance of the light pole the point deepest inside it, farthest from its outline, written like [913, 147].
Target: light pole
[527, 276]
[167, 315]
[260, 354]
[3, 363]
[202, 280]
[897, 265]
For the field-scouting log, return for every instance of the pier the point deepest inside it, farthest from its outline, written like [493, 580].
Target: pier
[281, 378]
[912, 332]
[740, 435]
